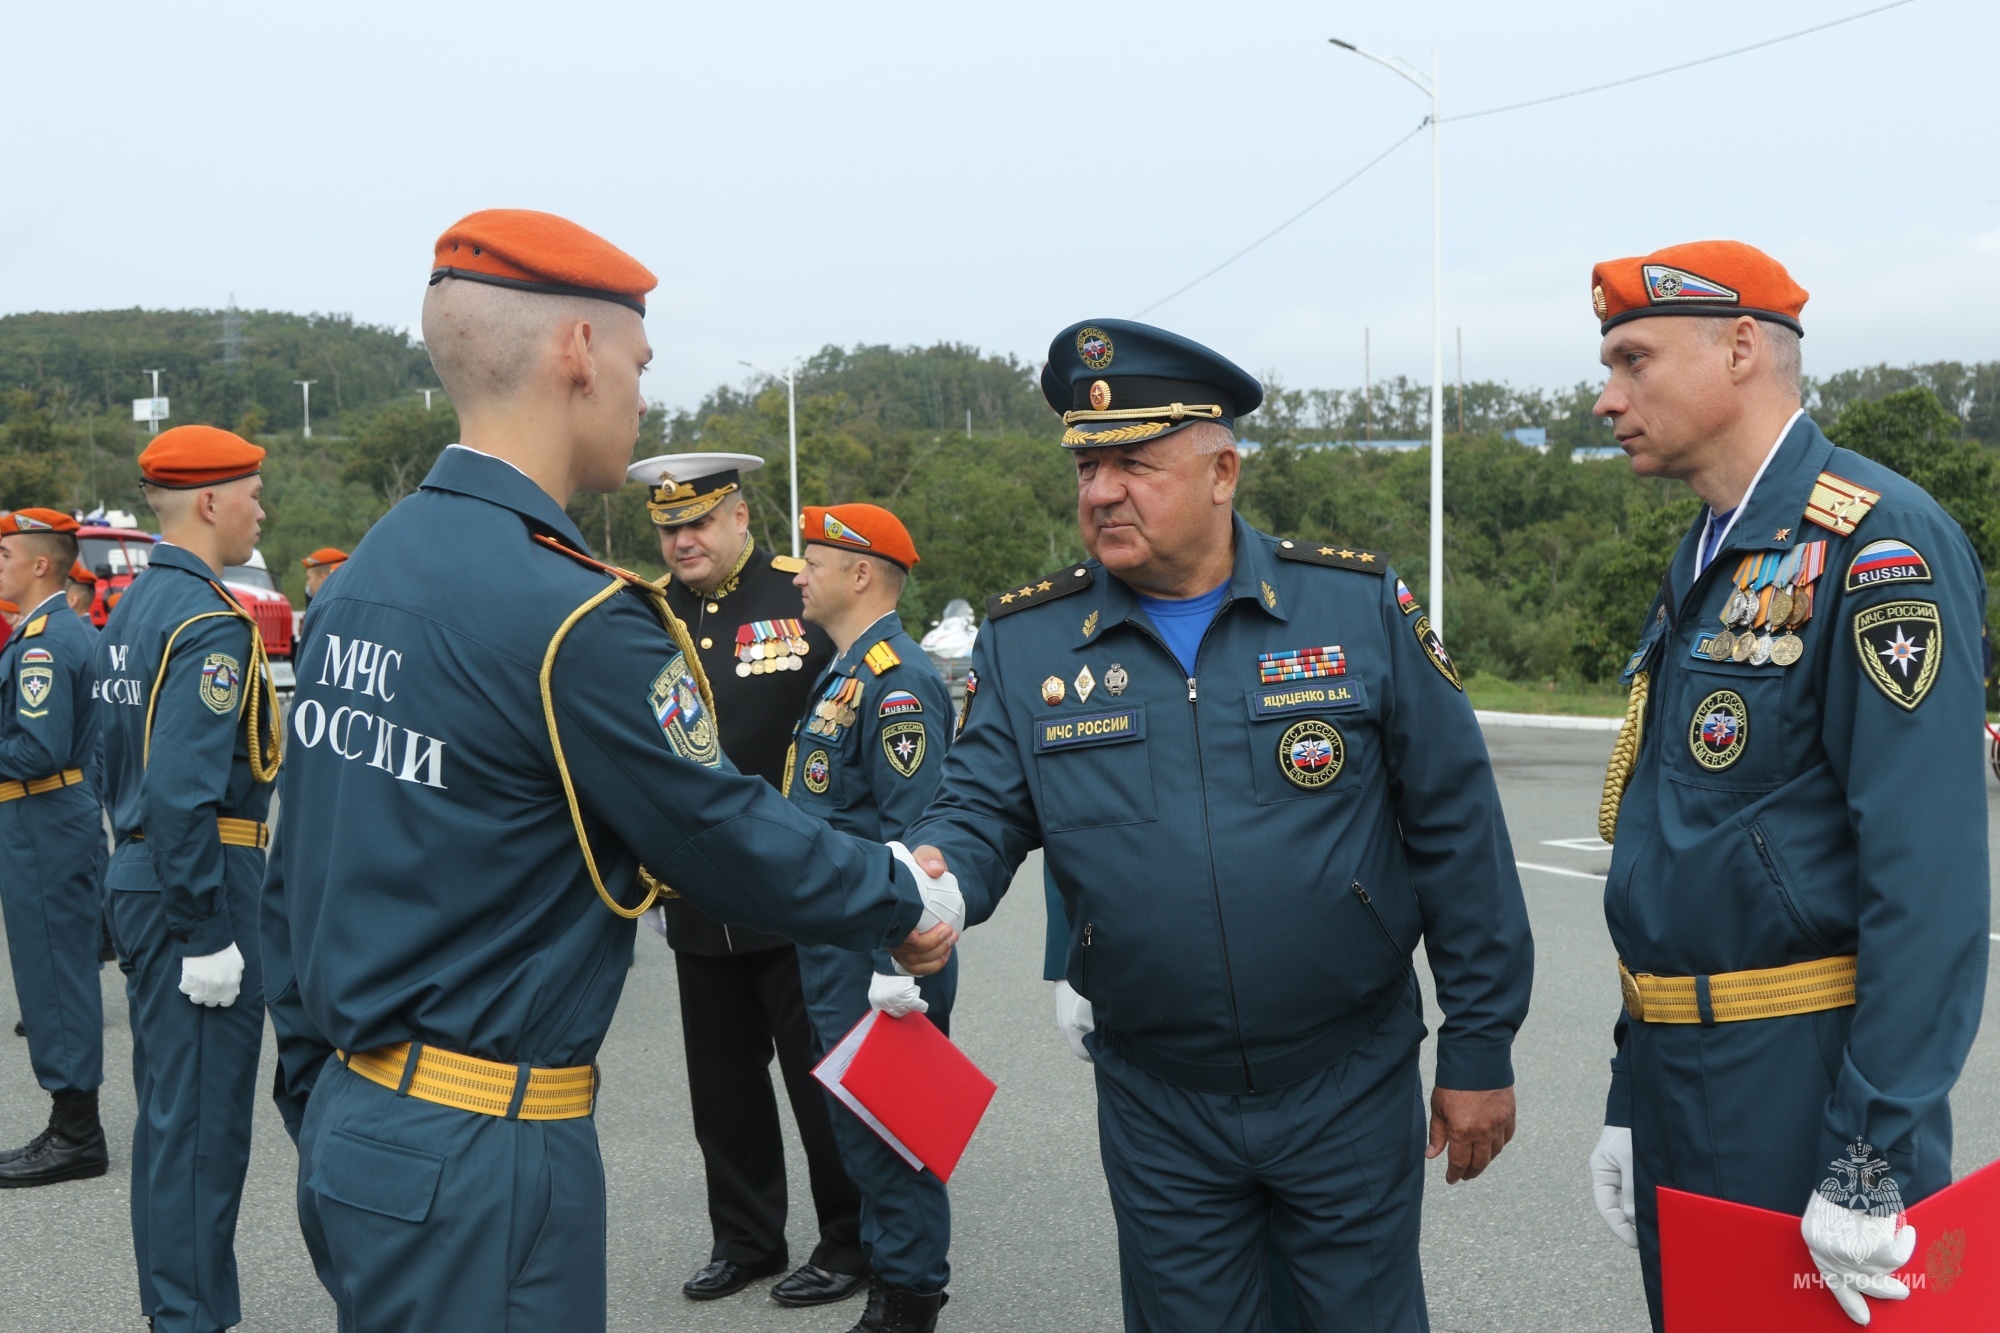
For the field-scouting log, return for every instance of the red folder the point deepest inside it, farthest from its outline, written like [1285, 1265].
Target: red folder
[909, 1084]
[1729, 1268]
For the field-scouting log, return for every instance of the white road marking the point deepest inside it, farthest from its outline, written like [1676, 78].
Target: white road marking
[1578, 844]
[1558, 870]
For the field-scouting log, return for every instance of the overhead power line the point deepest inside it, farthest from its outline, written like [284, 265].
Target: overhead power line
[1674, 69]
[1515, 106]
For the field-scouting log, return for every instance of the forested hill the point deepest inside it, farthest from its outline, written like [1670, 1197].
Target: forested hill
[1549, 562]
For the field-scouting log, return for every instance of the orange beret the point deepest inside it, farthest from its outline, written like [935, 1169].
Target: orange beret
[1700, 278]
[78, 574]
[36, 520]
[540, 252]
[8, 608]
[189, 456]
[325, 555]
[869, 529]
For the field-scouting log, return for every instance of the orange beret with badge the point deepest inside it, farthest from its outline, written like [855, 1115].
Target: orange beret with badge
[869, 529]
[189, 456]
[1701, 278]
[325, 555]
[528, 251]
[36, 520]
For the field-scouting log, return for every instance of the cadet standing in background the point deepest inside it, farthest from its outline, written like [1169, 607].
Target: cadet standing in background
[865, 757]
[319, 567]
[1259, 786]
[740, 999]
[469, 801]
[51, 844]
[1798, 888]
[81, 589]
[190, 749]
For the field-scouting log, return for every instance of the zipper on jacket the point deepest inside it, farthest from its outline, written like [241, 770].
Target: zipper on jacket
[1374, 915]
[1792, 906]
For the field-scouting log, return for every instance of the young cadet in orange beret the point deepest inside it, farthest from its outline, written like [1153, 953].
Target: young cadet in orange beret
[866, 757]
[471, 803]
[190, 726]
[82, 589]
[51, 840]
[319, 566]
[1798, 889]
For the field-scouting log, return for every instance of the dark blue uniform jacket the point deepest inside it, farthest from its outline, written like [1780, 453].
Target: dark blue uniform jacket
[428, 882]
[1247, 866]
[1847, 818]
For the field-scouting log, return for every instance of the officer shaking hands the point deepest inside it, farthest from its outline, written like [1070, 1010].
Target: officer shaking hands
[866, 757]
[51, 843]
[1259, 786]
[472, 801]
[191, 747]
[1798, 889]
[740, 998]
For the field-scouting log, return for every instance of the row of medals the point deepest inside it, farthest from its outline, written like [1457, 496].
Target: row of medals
[832, 713]
[756, 659]
[1737, 643]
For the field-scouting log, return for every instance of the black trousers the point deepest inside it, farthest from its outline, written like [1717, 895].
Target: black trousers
[736, 1010]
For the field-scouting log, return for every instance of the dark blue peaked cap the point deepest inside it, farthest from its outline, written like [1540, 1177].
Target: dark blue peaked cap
[1119, 382]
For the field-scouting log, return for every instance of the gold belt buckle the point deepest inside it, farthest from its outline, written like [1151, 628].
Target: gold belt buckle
[1635, 1001]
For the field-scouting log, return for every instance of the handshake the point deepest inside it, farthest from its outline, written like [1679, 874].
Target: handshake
[929, 946]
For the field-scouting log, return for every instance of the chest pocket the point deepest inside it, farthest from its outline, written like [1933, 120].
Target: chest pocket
[1095, 768]
[1726, 728]
[820, 776]
[1306, 738]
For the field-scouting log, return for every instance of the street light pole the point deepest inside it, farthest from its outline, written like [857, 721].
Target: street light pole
[792, 430]
[153, 423]
[1428, 86]
[307, 386]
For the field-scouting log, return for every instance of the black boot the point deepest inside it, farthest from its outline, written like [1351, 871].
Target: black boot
[899, 1310]
[71, 1148]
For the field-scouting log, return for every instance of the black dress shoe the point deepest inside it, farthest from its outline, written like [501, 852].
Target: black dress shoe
[813, 1285]
[726, 1277]
[71, 1148]
[899, 1310]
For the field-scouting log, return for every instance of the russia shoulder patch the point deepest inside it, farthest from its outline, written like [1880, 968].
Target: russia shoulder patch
[1887, 562]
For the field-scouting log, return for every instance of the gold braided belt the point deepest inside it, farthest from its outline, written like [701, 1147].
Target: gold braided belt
[16, 789]
[1734, 997]
[232, 832]
[484, 1087]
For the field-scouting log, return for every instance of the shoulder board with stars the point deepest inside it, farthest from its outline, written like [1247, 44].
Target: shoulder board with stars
[1838, 504]
[1071, 578]
[880, 658]
[1336, 557]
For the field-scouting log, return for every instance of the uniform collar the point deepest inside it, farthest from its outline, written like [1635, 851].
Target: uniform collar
[887, 627]
[1777, 503]
[1250, 580]
[465, 471]
[169, 556]
[52, 597]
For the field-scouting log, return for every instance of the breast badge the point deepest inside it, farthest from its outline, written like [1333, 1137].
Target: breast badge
[903, 744]
[1901, 645]
[1116, 679]
[1085, 683]
[684, 719]
[1434, 649]
[1053, 691]
[221, 683]
[818, 773]
[1311, 754]
[1719, 731]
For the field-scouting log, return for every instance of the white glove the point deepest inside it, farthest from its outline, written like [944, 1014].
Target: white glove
[942, 900]
[1611, 1183]
[1074, 1018]
[896, 996]
[215, 979]
[1857, 1253]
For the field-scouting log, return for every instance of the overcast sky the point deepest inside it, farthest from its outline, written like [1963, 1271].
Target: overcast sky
[804, 174]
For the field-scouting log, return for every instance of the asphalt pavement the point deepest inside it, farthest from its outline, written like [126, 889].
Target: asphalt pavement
[1033, 1252]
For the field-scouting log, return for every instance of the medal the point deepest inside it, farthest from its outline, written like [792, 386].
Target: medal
[1720, 645]
[1787, 649]
[1744, 646]
[742, 668]
[1760, 650]
[1780, 609]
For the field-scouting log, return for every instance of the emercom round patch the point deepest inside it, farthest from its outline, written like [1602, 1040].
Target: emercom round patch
[1310, 754]
[819, 772]
[1720, 730]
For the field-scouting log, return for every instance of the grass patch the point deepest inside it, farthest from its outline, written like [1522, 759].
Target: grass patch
[1568, 700]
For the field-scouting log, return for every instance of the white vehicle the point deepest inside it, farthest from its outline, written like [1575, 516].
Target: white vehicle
[258, 591]
[949, 642]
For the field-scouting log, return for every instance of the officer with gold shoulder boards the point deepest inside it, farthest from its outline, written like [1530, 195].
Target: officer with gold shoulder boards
[191, 745]
[866, 755]
[479, 808]
[1258, 785]
[1798, 889]
[739, 987]
[51, 841]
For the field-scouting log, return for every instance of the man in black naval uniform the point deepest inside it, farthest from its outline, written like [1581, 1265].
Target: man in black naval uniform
[739, 988]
